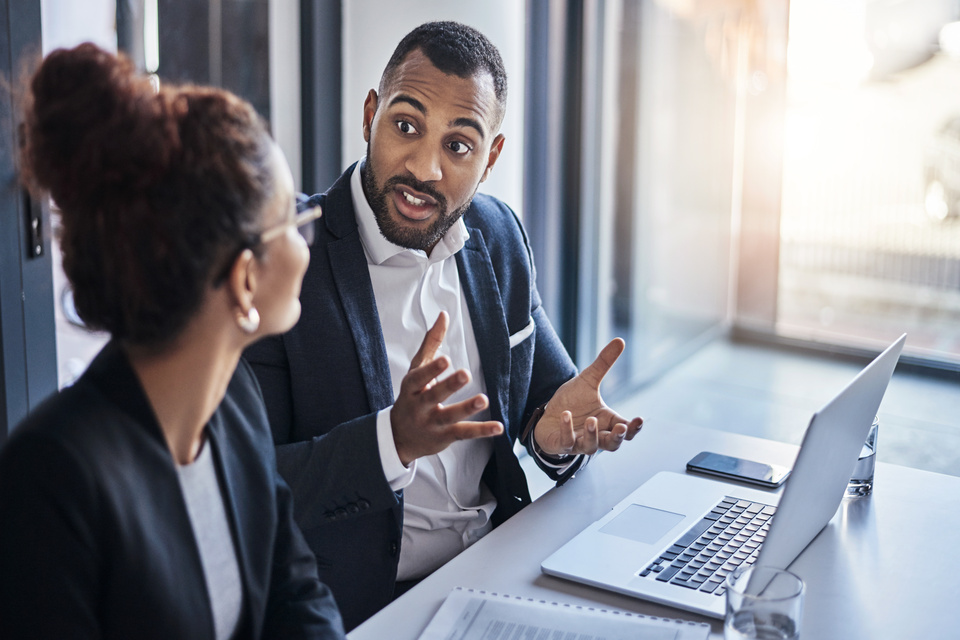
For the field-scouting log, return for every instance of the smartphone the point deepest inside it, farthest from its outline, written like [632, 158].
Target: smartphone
[769, 476]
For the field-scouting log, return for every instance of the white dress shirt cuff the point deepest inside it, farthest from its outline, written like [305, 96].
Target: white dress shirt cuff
[398, 476]
[562, 466]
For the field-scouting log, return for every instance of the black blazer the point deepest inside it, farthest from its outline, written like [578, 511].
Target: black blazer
[95, 539]
[324, 381]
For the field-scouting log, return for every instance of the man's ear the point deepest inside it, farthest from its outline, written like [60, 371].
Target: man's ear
[495, 150]
[242, 281]
[369, 111]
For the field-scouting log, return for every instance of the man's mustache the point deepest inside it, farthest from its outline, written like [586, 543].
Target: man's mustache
[417, 185]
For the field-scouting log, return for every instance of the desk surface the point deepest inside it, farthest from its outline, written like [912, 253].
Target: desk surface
[886, 567]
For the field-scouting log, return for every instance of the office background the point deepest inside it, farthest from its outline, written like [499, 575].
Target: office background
[756, 196]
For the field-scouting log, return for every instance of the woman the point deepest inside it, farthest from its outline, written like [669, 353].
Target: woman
[143, 501]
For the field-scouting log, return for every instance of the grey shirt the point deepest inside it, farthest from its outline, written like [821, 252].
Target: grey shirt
[201, 491]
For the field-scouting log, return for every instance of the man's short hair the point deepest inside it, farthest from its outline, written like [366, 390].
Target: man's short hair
[454, 49]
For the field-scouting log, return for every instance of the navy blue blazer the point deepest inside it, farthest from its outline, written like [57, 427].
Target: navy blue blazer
[95, 537]
[325, 379]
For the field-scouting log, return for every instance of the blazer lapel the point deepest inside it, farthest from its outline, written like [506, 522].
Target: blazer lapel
[479, 285]
[352, 277]
[348, 265]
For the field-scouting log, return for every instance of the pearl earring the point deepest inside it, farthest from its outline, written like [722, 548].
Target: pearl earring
[249, 322]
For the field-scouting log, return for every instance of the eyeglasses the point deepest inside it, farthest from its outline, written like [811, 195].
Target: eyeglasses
[301, 220]
[305, 215]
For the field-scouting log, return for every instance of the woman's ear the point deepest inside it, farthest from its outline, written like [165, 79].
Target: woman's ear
[242, 287]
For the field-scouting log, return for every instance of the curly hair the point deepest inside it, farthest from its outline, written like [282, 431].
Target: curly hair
[157, 188]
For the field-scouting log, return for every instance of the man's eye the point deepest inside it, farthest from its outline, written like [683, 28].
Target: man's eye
[406, 127]
[459, 147]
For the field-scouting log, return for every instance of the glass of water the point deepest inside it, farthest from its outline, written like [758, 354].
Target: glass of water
[861, 482]
[763, 603]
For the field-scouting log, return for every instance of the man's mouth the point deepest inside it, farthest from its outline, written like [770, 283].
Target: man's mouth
[413, 204]
[413, 200]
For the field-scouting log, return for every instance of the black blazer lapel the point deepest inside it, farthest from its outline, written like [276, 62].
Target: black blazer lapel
[479, 285]
[348, 266]
[503, 474]
[350, 273]
[113, 375]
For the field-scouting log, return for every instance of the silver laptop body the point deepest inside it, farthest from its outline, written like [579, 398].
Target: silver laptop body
[617, 551]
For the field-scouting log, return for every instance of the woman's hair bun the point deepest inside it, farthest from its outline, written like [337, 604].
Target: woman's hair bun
[95, 127]
[157, 188]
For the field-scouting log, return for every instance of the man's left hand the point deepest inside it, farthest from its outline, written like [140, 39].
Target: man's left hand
[576, 420]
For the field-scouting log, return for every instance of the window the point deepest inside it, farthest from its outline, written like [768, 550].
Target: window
[661, 209]
[870, 216]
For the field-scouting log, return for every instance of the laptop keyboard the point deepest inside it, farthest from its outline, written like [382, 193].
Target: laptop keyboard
[725, 538]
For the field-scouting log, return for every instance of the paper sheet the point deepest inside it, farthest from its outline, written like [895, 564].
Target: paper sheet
[468, 614]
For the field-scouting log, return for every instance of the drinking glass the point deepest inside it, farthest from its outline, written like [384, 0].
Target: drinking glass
[763, 603]
[861, 482]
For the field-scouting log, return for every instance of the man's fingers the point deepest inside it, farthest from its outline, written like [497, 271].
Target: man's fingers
[611, 440]
[418, 378]
[633, 428]
[450, 414]
[431, 341]
[446, 387]
[471, 430]
[568, 437]
[589, 440]
[594, 373]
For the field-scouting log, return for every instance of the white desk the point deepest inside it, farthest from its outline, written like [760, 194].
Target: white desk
[886, 567]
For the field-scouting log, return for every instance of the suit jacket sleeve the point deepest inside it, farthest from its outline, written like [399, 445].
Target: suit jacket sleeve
[299, 606]
[48, 549]
[325, 472]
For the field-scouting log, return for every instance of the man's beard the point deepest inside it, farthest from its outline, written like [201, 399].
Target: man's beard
[396, 232]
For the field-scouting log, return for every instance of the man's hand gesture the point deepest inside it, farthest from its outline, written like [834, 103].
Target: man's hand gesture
[576, 420]
[422, 425]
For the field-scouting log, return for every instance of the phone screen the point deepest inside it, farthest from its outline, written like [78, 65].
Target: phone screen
[717, 464]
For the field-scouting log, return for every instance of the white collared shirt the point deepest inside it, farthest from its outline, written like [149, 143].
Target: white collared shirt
[446, 506]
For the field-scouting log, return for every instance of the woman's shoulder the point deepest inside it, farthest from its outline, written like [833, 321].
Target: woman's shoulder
[55, 440]
[65, 415]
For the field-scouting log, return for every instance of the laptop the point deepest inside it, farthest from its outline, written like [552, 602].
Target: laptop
[674, 539]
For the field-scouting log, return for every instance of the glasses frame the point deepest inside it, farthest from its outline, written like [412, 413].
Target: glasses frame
[303, 217]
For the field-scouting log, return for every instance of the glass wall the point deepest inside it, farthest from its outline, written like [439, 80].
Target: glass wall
[870, 220]
[663, 211]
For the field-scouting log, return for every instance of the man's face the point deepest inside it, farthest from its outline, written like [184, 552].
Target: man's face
[431, 141]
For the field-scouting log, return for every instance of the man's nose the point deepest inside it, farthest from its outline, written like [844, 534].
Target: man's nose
[423, 162]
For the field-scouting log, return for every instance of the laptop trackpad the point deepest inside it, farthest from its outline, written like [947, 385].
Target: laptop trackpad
[642, 524]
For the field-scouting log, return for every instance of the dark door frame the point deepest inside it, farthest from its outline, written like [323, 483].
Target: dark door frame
[28, 352]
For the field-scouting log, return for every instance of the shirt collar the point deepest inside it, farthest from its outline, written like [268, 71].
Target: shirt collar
[378, 248]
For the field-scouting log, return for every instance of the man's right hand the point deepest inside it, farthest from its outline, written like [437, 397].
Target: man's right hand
[422, 425]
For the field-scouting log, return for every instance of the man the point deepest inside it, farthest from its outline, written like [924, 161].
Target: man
[397, 465]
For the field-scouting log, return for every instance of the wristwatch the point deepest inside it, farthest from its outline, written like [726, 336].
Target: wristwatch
[528, 432]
